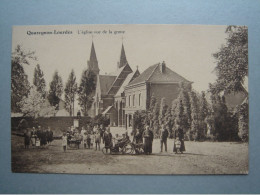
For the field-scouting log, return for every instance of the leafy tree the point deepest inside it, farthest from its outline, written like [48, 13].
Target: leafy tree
[39, 81]
[70, 93]
[139, 121]
[179, 114]
[243, 122]
[196, 132]
[35, 105]
[184, 96]
[100, 119]
[169, 120]
[204, 112]
[220, 117]
[85, 90]
[162, 111]
[20, 85]
[232, 60]
[56, 89]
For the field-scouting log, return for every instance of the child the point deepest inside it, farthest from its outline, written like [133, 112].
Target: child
[64, 141]
[37, 142]
[177, 144]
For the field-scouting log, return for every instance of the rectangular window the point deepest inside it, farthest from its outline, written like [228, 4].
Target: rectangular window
[133, 100]
[129, 100]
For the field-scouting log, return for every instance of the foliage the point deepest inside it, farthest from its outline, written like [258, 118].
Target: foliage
[100, 119]
[162, 111]
[195, 131]
[243, 121]
[70, 93]
[139, 121]
[220, 117]
[55, 91]
[85, 90]
[39, 81]
[232, 60]
[35, 105]
[20, 85]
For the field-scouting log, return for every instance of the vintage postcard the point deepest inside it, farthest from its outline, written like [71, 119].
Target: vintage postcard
[129, 99]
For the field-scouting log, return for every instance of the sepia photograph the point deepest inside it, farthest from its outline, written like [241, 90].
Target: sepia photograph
[130, 99]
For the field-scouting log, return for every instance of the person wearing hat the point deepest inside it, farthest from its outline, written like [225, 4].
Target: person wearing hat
[148, 140]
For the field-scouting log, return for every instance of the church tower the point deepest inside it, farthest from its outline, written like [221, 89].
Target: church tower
[122, 61]
[92, 62]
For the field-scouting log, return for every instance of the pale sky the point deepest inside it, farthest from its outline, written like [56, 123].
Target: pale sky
[186, 49]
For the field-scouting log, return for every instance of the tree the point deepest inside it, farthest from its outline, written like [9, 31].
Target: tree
[179, 114]
[162, 111]
[220, 117]
[243, 122]
[70, 93]
[139, 121]
[184, 96]
[39, 81]
[232, 60]
[169, 120]
[56, 89]
[85, 90]
[196, 131]
[20, 85]
[35, 105]
[204, 111]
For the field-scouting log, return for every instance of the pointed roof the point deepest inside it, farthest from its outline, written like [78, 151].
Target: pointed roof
[128, 79]
[120, 77]
[93, 56]
[106, 82]
[153, 74]
[93, 63]
[122, 61]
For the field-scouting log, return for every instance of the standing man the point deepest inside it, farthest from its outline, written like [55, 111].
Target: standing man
[97, 137]
[148, 140]
[163, 138]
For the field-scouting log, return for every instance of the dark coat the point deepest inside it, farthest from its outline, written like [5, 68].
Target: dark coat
[107, 138]
[148, 141]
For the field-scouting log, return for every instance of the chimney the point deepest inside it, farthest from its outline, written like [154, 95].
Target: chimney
[163, 67]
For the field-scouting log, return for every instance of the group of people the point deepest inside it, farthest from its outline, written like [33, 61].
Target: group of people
[39, 137]
[147, 139]
[89, 137]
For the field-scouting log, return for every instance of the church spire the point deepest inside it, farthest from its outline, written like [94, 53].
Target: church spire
[122, 61]
[93, 63]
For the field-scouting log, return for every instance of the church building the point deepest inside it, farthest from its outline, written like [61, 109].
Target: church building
[119, 95]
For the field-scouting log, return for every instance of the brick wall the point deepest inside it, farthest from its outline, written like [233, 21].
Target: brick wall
[57, 124]
[169, 91]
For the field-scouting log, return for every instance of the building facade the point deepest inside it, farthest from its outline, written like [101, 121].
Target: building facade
[119, 95]
[158, 81]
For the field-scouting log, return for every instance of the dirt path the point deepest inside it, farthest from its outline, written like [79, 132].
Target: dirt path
[200, 158]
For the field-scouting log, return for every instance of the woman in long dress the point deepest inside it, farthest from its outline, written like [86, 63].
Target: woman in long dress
[148, 140]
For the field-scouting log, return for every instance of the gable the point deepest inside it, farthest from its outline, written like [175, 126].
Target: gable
[121, 76]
